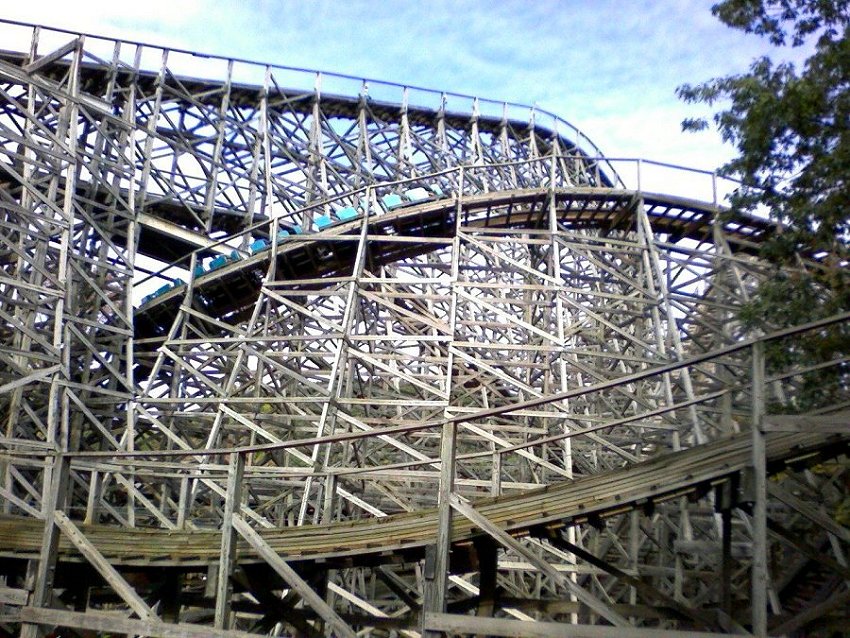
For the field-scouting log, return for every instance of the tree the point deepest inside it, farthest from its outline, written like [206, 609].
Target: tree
[791, 131]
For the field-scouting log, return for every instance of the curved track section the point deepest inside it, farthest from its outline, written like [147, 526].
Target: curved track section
[693, 473]
[386, 335]
[316, 256]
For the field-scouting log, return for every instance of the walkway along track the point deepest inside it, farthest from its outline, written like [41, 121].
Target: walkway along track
[691, 472]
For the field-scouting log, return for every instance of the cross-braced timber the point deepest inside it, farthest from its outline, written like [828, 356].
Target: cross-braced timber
[290, 353]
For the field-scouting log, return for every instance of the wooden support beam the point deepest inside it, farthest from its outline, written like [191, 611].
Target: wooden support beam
[817, 517]
[510, 542]
[232, 503]
[814, 612]
[58, 54]
[726, 562]
[45, 567]
[454, 624]
[649, 592]
[437, 557]
[398, 587]
[837, 423]
[116, 624]
[298, 584]
[109, 573]
[13, 596]
[759, 565]
[790, 538]
[487, 552]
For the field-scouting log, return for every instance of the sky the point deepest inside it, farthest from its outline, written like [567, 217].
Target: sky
[610, 67]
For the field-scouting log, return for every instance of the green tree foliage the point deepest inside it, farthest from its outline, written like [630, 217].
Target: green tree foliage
[791, 129]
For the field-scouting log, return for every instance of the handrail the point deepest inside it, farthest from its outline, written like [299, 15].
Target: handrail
[480, 414]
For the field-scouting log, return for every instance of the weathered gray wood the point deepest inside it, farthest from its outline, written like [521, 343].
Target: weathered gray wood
[812, 613]
[483, 413]
[726, 561]
[838, 423]
[598, 495]
[58, 54]
[109, 573]
[456, 624]
[437, 572]
[509, 542]
[646, 590]
[536, 311]
[759, 564]
[292, 578]
[114, 623]
[817, 517]
[45, 568]
[12, 596]
[232, 503]
[808, 550]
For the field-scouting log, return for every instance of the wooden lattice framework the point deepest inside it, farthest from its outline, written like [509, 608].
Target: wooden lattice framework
[360, 359]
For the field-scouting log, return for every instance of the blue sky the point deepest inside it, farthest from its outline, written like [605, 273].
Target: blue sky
[608, 66]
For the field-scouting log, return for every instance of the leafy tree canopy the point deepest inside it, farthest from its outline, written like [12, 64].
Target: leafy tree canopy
[791, 129]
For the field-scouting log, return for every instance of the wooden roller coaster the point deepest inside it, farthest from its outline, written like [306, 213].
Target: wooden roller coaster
[349, 358]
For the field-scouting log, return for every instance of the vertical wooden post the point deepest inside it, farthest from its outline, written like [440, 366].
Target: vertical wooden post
[436, 573]
[759, 565]
[328, 499]
[183, 502]
[437, 556]
[232, 502]
[726, 564]
[488, 566]
[46, 566]
[723, 503]
[634, 550]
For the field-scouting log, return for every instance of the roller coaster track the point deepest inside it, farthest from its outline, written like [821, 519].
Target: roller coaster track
[233, 288]
[693, 472]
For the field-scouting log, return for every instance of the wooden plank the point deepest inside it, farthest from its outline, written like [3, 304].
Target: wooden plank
[232, 502]
[12, 596]
[811, 552]
[292, 578]
[812, 613]
[834, 423]
[39, 375]
[20, 503]
[509, 542]
[809, 512]
[48, 540]
[646, 589]
[455, 624]
[596, 494]
[109, 573]
[58, 54]
[437, 556]
[113, 623]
